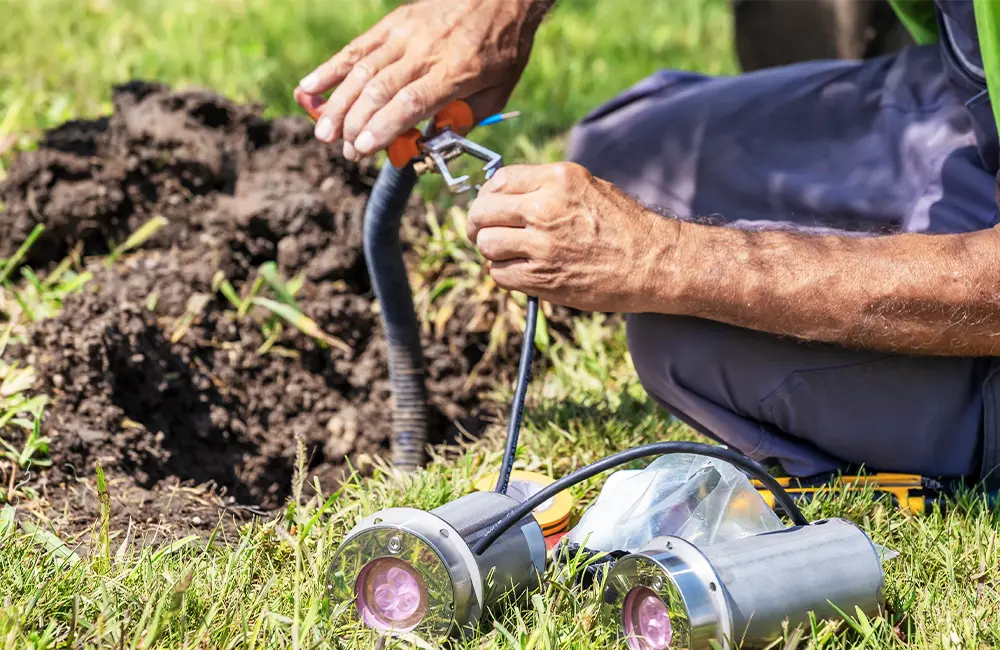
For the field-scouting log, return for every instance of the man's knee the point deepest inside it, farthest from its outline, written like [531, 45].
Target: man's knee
[682, 360]
[813, 406]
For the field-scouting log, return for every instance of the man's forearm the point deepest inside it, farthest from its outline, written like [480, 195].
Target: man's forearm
[926, 294]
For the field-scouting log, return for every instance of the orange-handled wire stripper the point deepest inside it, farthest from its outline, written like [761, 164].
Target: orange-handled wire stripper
[443, 140]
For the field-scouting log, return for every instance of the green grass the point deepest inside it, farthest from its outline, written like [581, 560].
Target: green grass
[60, 57]
[264, 588]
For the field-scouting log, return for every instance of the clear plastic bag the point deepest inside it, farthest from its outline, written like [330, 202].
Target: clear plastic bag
[703, 500]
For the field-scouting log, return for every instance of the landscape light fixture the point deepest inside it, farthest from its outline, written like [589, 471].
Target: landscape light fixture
[740, 593]
[411, 571]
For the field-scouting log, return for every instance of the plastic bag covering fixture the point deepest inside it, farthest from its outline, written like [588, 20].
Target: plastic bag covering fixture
[703, 500]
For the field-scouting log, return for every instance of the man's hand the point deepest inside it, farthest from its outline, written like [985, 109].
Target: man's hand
[556, 232]
[416, 60]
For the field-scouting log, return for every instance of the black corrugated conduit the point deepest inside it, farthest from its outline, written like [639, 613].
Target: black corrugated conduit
[384, 258]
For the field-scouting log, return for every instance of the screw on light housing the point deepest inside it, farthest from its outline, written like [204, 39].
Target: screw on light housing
[673, 594]
[413, 572]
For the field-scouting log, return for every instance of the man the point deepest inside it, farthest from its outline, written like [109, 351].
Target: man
[806, 255]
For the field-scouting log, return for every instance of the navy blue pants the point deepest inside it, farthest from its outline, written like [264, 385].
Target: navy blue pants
[859, 148]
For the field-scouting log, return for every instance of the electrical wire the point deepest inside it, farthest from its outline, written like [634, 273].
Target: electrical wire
[499, 117]
[520, 390]
[523, 378]
[654, 449]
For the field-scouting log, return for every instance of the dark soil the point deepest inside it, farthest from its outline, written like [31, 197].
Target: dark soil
[190, 420]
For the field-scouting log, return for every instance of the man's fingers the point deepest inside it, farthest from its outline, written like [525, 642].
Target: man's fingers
[330, 126]
[516, 179]
[492, 212]
[411, 105]
[313, 104]
[333, 71]
[377, 93]
[501, 244]
[513, 275]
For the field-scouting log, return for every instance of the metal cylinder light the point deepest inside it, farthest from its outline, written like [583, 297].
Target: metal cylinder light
[411, 571]
[673, 594]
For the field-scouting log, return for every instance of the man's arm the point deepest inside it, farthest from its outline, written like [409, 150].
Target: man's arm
[910, 293]
[417, 59]
[557, 232]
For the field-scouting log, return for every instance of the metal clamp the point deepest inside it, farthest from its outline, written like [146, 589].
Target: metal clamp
[448, 145]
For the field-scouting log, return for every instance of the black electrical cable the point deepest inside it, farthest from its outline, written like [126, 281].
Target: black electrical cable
[653, 449]
[520, 390]
[520, 386]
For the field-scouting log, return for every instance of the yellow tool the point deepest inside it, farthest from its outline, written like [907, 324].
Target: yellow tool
[909, 492]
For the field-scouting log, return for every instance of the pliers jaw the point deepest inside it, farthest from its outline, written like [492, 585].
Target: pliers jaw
[445, 146]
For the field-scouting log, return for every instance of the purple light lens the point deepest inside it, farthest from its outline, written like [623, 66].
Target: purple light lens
[390, 595]
[646, 621]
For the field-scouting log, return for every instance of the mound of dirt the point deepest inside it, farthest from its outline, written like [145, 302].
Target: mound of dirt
[152, 371]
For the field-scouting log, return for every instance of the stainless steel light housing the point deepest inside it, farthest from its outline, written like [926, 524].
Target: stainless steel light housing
[673, 594]
[410, 571]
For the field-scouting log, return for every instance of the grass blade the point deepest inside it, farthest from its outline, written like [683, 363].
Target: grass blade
[10, 119]
[195, 307]
[137, 238]
[17, 380]
[51, 543]
[75, 283]
[295, 284]
[58, 272]
[301, 322]
[32, 279]
[19, 254]
[269, 271]
[105, 524]
[248, 301]
[229, 292]
[173, 547]
[21, 406]
[221, 284]
[440, 288]
[6, 520]
[5, 337]
[29, 313]
[542, 339]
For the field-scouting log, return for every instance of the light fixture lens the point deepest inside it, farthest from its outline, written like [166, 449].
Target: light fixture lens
[391, 595]
[645, 620]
